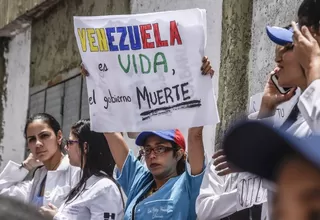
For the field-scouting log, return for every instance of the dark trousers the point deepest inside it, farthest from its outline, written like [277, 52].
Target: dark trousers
[253, 213]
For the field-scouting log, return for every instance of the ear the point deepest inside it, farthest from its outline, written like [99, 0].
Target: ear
[179, 154]
[59, 137]
[85, 147]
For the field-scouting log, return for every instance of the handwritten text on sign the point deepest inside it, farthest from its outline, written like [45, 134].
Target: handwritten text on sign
[145, 71]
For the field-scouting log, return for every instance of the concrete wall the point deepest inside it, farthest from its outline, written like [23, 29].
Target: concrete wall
[233, 81]
[15, 98]
[11, 10]
[54, 48]
[15, 16]
[214, 10]
[266, 12]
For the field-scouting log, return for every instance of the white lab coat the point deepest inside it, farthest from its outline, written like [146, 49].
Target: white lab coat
[309, 106]
[307, 123]
[58, 183]
[101, 200]
[218, 195]
[222, 196]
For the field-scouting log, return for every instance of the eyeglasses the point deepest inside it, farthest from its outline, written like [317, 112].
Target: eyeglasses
[157, 150]
[70, 142]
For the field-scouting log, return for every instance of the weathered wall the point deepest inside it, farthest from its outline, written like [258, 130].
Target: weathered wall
[10, 10]
[15, 16]
[214, 10]
[266, 12]
[3, 93]
[54, 48]
[14, 95]
[233, 81]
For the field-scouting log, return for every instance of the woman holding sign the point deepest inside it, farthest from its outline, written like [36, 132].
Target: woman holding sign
[168, 186]
[96, 196]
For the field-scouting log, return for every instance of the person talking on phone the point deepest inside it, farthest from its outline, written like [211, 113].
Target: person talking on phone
[287, 79]
[298, 67]
[293, 71]
[283, 83]
[298, 59]
[219, 191]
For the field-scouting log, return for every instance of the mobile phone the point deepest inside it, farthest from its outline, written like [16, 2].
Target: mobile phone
[282, 90]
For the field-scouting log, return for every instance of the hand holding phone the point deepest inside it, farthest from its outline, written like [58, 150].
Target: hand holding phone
[282, 90]
[271, 97]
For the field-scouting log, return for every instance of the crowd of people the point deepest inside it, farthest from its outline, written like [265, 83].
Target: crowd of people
[95, 176]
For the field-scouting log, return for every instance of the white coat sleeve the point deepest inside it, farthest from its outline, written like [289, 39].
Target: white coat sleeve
[309, 106]
[107, 205]
[213, 202]
[12, 184]
[254, 116]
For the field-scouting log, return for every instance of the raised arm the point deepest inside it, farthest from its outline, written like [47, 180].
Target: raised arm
[118, 147]
[195, 150]
[307, 50]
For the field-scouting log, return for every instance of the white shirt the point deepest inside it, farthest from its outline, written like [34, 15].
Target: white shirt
[57, 185]
[100, 200]
[222, 196]
[218, 196]
[307, 123]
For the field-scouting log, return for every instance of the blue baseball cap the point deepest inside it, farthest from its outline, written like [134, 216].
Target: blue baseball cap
[258, 148]
[279, 35]
[174, 135]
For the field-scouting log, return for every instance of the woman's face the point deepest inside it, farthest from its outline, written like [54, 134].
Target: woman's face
[290, 72]
[160, 160]
[42, 141]
[73, 150]
[298, 192]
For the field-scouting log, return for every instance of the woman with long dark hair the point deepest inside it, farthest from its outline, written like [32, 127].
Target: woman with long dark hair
[96, 196]
[53, 178]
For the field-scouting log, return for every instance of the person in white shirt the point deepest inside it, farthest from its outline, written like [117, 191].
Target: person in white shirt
[54, 176]
[303, 47]
[298, 58]
[294, 71]
[215, 201]
[227, 194]
[291, 163]
[96, 196]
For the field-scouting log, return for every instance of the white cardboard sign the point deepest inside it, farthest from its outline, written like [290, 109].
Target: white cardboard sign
[145, 71]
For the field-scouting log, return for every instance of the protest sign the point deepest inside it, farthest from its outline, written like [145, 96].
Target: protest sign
[282, 112]
[145, 71]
